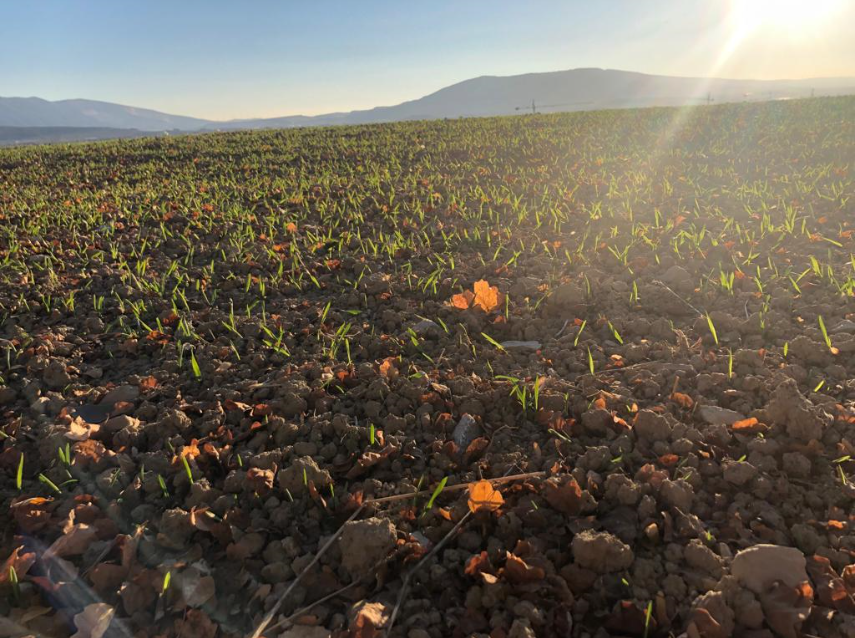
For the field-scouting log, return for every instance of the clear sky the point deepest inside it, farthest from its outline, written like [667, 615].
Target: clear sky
[225, 59]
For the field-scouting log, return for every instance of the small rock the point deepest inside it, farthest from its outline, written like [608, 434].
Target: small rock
[123, 393]
[701, 557]
[844, 326]
[118, 423]
[678, 278]
[758, 567]
[677, 494]
[652, 427]
[521, 345]
[306, 631]
[803, 421]
[365, 543]
[425, 327]
[715, 415]
[796, 464]
[304, 469]
[601, 552]
[466, 431]
[738, 472]
[55, 375]
[7, 395]
[568, 295]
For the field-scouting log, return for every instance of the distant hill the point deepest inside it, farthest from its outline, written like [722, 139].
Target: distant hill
[17, 135]
[34, 111]
[574, 90]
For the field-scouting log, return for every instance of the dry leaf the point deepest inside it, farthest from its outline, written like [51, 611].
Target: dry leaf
[31, 514]
[196, 587]
[93, 621]
[388, 369]
[21, 562]
[487, 297]
[518, 571]
[749, 426]
[462, 300]
[196, 624]
[683, 400]
[786, 608]
[564, 495]
[477, 563]
[73, 542]
[367, 620]
[80, 430]
[483, 497]
[147, 383]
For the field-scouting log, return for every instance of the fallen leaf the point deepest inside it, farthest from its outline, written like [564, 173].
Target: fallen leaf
[388, 369]
[196, 586]
[683, 400]
[368, 619]
[73, 542]
[21, 562]
[462, 300]
[80, 430]
[749, 426]
[147, 383]
[565, 495]
[196, 624]
[31, 514]
[786, 608]
[518, 571]
[93, 621]
[487, 297]
[106, 578]
[831, 590]
[483, 497]
[477, 563]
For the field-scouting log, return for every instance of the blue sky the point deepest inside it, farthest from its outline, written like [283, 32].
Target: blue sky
[254, 58]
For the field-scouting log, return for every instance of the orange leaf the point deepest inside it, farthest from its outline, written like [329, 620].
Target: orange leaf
[683, 400]
[749, 426]
[462, 300]
[487, 297]
[483, 497]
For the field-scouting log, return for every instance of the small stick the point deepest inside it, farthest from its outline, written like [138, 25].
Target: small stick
[270, 614]
[406, 584]
[386, 499]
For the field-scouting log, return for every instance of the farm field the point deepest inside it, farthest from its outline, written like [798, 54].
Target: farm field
[604, 362]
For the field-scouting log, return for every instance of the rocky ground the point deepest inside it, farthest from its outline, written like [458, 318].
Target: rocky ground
[222, 355]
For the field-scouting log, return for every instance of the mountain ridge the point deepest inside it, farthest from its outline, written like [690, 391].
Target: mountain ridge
[486, 95]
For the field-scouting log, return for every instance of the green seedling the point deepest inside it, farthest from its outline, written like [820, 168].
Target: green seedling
[436, 494]
[162, 484]
[494, 343]
[647, 614]
[44, 479]
[19, 475]
[194, 365]
[187, 469]
[712, 329]
[825, 336]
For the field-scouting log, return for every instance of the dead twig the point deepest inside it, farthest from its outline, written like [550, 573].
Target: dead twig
[265, 622]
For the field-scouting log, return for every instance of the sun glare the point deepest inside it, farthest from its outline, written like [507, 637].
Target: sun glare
[797, 18]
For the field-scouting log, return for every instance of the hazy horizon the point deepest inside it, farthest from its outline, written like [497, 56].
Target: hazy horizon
[224, 61]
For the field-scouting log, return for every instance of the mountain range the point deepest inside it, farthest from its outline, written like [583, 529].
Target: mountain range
[573, 90]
